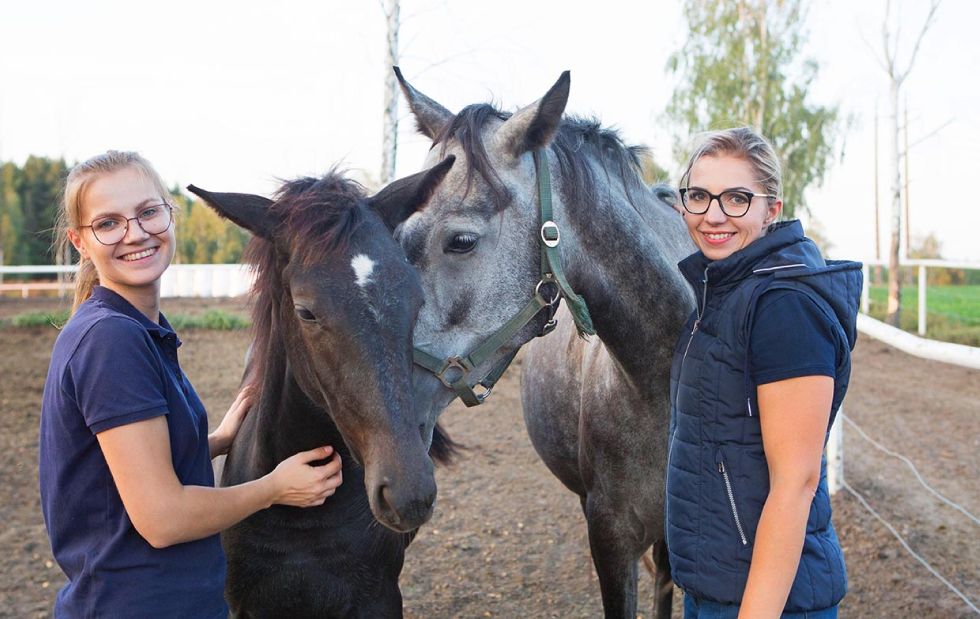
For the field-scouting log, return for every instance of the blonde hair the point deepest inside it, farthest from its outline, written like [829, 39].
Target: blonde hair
[69, 215]
[744, 143]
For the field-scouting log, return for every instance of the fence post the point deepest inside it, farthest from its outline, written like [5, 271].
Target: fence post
[835, 454]
[922, 299]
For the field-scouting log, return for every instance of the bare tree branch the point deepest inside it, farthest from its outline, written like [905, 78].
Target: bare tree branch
[930, 19]
[930, 134]
[871, 49]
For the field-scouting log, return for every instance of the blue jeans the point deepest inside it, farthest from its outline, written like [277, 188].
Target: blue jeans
[703, 609]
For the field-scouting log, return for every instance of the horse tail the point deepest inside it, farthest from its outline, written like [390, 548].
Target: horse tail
[444, 450]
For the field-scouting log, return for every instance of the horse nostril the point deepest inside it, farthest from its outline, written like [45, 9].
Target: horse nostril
[385, 504]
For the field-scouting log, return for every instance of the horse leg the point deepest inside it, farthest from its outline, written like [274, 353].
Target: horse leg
[663, 583]
[614, 557]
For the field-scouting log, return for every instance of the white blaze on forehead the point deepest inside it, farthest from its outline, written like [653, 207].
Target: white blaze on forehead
[363, 268]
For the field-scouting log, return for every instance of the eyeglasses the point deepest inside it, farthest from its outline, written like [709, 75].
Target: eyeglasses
[733, 202]
[152, 219]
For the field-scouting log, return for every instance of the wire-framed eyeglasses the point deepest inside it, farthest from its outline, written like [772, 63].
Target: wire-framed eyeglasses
[733, 202]
[152, 219]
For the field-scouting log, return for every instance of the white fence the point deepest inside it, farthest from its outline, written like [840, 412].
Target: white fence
[180, 280]
[921, 267]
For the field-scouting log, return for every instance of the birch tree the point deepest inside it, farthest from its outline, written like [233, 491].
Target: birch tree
[897, 72]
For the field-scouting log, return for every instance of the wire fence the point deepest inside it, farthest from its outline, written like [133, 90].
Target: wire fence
[891, 528]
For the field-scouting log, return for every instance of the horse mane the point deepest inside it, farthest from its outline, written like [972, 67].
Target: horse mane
[577, 143]
[318, 216]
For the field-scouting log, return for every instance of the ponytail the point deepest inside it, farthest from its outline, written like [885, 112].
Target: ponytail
[85, 279]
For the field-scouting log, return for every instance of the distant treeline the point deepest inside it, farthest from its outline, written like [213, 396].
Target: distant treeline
[30, 196]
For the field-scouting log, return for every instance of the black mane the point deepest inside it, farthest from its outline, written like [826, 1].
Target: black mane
[577, 141]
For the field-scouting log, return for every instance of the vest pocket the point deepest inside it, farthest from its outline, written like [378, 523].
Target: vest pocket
[723, 470]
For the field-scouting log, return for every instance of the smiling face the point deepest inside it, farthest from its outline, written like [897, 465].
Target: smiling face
[716, 234]
[133, 266]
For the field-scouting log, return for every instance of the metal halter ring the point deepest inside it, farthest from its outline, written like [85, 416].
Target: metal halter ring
[553, 300]
[544, 238]
[482, 396]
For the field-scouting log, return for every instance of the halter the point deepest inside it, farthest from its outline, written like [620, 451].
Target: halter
[454, 371]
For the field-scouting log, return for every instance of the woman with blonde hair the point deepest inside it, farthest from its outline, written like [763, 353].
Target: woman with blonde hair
[127, 487]
[758, 375]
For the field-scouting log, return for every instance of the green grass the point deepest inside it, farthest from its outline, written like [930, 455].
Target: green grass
[40, 319]
[952, 312]
[214, 319]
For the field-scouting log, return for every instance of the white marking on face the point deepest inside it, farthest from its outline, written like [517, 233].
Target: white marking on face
[363, 268]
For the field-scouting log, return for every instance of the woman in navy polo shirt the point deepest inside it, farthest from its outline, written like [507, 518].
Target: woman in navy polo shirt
[127, 487]
[758, 375]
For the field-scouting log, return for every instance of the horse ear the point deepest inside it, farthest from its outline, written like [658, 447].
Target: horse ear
[400, 198]
[430, 117]
[534, 126]
[247, 210]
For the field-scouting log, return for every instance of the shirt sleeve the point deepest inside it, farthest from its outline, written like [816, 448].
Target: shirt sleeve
[791, 337]
[115, 376]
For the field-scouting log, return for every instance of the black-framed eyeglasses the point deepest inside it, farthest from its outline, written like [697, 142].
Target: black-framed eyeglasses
[152, 219]
[733, 202]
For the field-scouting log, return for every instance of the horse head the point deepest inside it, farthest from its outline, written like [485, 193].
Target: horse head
[336, 298]
[477, 240]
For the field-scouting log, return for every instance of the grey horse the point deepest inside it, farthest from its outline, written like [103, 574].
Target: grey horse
[596, 409]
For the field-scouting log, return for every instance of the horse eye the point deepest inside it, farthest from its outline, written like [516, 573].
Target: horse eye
[304, 314]
[462, 243]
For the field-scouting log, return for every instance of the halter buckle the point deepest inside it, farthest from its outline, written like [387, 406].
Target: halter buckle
[453, 363]
[550, 234]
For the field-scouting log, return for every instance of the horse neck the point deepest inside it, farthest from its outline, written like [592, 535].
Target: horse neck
[621, 256]
[282, 422]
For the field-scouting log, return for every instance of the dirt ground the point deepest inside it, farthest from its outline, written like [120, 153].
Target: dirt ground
[507, 540]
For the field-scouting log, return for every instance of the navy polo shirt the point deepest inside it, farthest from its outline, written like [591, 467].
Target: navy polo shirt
[111, 366]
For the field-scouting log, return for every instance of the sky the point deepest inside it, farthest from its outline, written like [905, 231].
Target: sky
[235, 95]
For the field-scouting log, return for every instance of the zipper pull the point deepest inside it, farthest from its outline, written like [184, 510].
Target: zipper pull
[721, 467]
[697, 323]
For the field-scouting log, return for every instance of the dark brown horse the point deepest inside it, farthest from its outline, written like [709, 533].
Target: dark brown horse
[335, 302]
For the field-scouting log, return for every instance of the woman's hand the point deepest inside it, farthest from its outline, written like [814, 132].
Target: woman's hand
[299, 483]
[219, 441]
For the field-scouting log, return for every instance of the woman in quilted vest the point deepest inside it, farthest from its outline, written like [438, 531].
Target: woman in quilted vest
[757, 377]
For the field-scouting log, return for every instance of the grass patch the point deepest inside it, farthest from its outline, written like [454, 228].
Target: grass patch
[40, 319]
[952, 312]
[214, 319]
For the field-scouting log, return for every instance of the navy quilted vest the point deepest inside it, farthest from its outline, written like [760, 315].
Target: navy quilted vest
[717, 477]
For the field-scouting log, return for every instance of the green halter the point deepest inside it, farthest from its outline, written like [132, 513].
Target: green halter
[454, 371]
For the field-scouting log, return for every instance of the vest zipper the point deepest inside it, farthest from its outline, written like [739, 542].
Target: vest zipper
[697, 321]
[731, 502]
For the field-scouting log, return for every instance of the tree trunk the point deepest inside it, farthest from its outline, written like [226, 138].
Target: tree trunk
[894, 281]
[390, 137]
